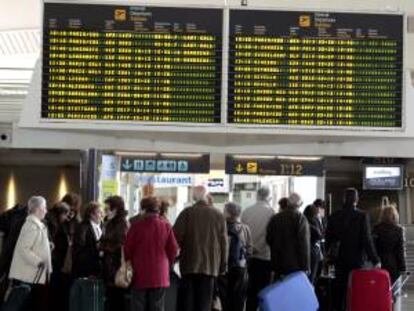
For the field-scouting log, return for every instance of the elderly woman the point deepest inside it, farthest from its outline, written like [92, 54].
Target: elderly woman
[389, 242]
[32, 262]
[152, 248]
[56, 221]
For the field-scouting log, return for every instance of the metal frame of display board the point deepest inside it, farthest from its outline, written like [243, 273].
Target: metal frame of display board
[31, 116]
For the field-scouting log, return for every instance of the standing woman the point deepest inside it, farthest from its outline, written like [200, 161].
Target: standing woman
[390, 243]
[86, 259]
[56, 220]
[152, 248]
[311, 213]
[74, 202]
[112, 242]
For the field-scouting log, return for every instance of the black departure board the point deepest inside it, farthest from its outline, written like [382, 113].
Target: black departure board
[315, 69]
[131, 63]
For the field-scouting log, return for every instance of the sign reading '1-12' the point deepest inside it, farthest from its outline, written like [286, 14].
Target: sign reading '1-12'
[131, 63]
[315, 69]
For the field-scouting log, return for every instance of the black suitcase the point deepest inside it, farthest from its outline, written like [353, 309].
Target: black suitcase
[87, 295]
[18, 298]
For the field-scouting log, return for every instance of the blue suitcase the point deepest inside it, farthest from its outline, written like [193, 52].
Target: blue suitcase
[293, 293]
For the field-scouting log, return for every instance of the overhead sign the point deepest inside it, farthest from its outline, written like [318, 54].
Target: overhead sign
[216, 181]
[315, 68]
[383, 177]
[131, 63]
[246, 165]
[166, 180]
[167, 164]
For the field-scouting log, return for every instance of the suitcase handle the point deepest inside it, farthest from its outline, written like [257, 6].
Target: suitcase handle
[400, 282]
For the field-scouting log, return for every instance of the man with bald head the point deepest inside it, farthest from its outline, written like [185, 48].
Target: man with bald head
[201, 233]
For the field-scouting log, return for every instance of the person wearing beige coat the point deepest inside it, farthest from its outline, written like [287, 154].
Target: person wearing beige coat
[32, 253]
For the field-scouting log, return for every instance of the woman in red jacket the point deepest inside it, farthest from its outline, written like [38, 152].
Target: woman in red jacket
[151, 247]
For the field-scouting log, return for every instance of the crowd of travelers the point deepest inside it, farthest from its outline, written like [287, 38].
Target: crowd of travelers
[225, 257]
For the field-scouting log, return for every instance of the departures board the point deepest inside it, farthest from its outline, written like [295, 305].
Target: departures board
[315, 69]
[131, 63]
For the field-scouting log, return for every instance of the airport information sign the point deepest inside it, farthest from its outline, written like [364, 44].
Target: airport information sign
[273, 165]
[131, 63]
[315, 69]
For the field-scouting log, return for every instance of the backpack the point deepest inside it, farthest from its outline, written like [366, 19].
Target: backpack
[237, 250]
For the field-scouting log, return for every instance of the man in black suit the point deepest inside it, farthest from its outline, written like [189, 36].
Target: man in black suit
[349, 243]
[323, 220]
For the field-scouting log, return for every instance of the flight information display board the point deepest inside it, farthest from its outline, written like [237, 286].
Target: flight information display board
[315, 69]
[131, 63]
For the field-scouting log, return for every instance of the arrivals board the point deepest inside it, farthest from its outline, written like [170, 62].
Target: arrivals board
[131, 63]
[315, 69]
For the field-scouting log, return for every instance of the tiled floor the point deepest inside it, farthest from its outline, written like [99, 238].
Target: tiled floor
[407, 303]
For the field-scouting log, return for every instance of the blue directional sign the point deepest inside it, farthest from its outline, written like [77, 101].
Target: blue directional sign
[127, 165]
[150, 165]
[138, 165]
[160, 163]
[183, 166]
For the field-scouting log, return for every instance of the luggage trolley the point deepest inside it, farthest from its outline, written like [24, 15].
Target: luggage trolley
[397, 290]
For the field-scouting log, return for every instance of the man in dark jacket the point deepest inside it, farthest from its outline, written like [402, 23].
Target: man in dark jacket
[201, 233]
[11, 222]
[289, 239]
[349, 243]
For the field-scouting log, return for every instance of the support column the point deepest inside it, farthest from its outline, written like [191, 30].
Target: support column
[89, 175]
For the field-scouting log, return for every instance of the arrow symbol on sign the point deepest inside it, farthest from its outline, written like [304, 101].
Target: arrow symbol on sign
[127, 165]
[239, 168]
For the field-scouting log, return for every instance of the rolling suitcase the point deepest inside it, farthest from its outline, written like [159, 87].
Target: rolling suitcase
[397, 290]
[369, 290]
[293, 293]
[18, 298]
[87, 295]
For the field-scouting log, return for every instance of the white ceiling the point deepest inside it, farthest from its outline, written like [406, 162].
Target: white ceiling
[19, 14]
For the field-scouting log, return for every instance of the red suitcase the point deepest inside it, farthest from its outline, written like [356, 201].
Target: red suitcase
[369, 290]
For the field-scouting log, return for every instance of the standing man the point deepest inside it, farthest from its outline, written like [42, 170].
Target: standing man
[349, 243]
[256, 218]
[322, 215]
[201, 233]
[32, 260]
[289, 239]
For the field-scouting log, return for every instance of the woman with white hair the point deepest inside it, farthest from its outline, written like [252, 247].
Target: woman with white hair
[31, 262]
